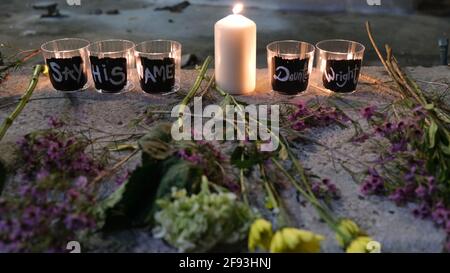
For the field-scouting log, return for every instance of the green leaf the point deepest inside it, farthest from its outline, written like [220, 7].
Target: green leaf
[242, 160]
[432, 134]
[283, 154]
[156, 144]
[249, 156]
[269, 204]
[122, 147]
[445, 148]
[133, 204]
[226, 101]
[429, 106]
[205, 185]
[178, 174]
[122, 208]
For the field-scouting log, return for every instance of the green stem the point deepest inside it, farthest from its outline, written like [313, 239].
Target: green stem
[302, 191]
[4, 71]
[237, 104]
[301, 170]
[323, 212]
[270, 194]
[243, 187]
[196, 86]
[23, 101]
[275, 199]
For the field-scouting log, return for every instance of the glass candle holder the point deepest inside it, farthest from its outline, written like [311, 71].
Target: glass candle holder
[340, 63]
[111, 65]
[67, 61]
[158, 65]
[290, 64]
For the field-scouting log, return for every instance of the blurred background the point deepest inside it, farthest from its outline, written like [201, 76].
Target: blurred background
[411, 27]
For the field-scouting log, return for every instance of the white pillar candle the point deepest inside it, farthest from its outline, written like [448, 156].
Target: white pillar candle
[235, 53]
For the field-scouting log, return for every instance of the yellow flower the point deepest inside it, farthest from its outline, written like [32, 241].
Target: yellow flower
[349, 230]
[260, 235]
[359, 245]
[292, 240]
[45, 72]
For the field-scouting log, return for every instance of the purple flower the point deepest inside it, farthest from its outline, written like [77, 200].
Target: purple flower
[373, 172]
[388, 126]
[440, 215]
[325, 189]
[49, 208]
[431, 186]
[305, 118]
[233, 187]
[360, 138]
[382, 159]
[14, 230]
[24, 190]
[373, 184]
[69, 142]
[447, 227]
[400, 146]
[367, 189]
[301, 105]
[81, 182]
[42, 174]
[368, 112]
[332, 188]
[183, 153]
[122, 178]
[431, 180]
[196, 159]
[191, 157]
[411, 175]
[421, 192]
[54, 150]
[73, 194]
[75, 222]
[3, 226]
[317, 189]
[31, 216]
[419, 112]
[292, 118]
[398, 196]
[400, 125]
[422, 211]
[299, 126]
[22, 143]
[55, 122]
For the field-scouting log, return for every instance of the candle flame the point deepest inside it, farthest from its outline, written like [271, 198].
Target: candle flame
[238, 8]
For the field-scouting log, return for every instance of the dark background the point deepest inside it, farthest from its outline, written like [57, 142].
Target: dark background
[412, 27]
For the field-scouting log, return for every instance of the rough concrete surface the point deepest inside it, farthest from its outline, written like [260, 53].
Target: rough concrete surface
[396, 228]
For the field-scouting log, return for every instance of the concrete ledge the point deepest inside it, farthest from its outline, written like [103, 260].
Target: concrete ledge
[396, 228]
